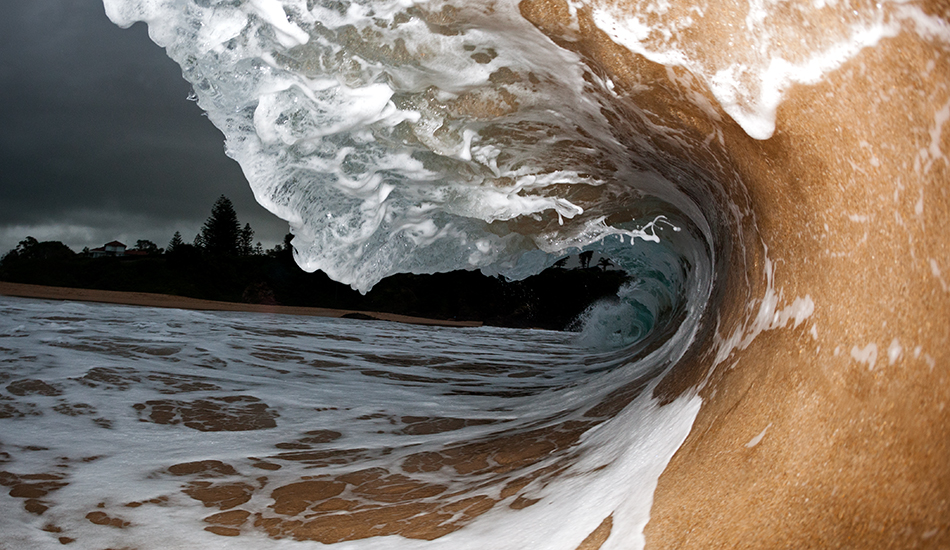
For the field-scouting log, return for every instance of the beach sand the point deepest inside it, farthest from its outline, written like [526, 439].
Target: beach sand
[182, 302]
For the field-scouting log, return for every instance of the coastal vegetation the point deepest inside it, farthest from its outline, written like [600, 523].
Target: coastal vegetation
[222, 264]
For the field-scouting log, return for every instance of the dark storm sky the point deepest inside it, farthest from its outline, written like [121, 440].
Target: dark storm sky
[97, 139]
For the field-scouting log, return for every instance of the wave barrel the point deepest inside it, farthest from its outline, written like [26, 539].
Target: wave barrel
[772, 176]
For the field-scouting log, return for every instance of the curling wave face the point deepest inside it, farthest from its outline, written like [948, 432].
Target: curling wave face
[401, 136]
[397, 137]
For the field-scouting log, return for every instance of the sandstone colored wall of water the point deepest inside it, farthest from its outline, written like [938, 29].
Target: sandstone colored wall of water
[832, 432]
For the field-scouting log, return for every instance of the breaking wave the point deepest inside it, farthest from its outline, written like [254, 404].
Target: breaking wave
[401, 136]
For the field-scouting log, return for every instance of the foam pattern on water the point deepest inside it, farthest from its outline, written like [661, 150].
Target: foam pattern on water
[402, 136]
[756, 49]
[160, 429]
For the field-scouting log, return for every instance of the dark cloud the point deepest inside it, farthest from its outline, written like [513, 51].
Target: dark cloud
[97, 139]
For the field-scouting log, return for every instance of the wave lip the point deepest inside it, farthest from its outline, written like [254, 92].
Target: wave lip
[397, 139]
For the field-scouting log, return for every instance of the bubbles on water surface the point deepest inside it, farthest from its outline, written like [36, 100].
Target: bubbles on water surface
[125, 422]
[431, 136]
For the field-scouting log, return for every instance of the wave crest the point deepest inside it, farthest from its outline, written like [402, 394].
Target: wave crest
[401, 138]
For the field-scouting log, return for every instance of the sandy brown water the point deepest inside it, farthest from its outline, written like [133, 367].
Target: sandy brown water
[831, 433]
[800, 443]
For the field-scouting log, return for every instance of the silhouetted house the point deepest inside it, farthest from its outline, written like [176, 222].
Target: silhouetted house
[115, 248]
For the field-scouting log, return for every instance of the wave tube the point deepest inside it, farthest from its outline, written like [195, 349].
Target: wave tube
[755, 167]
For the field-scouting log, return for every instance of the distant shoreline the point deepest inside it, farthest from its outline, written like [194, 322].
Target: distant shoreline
[180, 302]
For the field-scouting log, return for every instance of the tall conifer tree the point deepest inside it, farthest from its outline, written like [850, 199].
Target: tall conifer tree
[175, 242]
[221, 233]
[246, 238]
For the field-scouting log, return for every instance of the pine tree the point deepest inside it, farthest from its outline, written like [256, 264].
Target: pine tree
[247, 241]
[175, 242]
[221, 233]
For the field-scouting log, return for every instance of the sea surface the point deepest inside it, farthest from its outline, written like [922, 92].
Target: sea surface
[754, 166]
[134, 427]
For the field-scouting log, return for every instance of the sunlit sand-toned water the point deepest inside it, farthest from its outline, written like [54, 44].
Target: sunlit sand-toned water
[774, 176]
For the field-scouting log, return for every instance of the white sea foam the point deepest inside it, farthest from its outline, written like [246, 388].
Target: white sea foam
[866, 354]
[402, 136]
[894, 351]
[761, 59]
[344, 111]
[768, 316]
[105, 363]
[758, 438]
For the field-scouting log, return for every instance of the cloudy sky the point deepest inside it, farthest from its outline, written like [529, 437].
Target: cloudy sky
[97, 139]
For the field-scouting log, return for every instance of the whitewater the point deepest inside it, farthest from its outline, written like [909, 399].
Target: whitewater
[772, 175]
[140, 427]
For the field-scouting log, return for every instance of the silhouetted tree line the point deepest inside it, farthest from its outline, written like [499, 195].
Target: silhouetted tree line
[222, 264]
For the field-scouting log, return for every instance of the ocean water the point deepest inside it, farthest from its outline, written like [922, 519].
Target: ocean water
[158, 428]
[413, 136]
